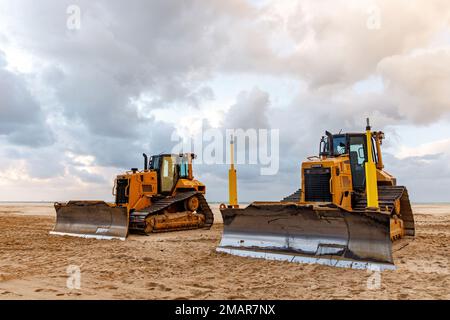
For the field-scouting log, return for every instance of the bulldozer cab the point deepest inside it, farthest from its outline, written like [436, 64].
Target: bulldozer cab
[355, 146]
[170, 168]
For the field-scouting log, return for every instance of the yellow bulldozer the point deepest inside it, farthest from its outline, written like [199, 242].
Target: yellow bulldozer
[347, 213]
[164, 196]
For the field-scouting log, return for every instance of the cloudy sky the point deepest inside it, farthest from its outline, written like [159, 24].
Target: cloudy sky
[79, 103]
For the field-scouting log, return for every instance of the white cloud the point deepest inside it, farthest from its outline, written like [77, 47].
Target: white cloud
[419, 83]
[427, 149]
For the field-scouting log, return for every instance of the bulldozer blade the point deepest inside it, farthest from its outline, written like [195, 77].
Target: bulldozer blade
[307, 234]
[91, 219]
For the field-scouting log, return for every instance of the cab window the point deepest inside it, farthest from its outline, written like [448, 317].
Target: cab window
[339, 145]
[184, 169]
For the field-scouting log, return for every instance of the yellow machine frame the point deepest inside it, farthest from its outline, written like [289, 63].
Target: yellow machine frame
[341, 186]
[143, 185]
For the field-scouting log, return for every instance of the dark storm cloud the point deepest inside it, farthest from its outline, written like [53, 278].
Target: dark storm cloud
[88, 177]
[249, 111]
[22, 120]
[163, 49]
[154, 138]
[424, 176]
[124, 61]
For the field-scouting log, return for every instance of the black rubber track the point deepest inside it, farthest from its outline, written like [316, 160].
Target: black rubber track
[138, 218]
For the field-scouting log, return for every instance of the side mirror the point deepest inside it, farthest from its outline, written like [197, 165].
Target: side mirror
[150, 163]
[324, 147]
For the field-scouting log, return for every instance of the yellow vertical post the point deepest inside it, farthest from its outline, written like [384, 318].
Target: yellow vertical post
[232, 179]
[371, 173]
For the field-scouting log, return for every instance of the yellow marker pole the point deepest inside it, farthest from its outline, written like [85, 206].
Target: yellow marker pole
[371, 174]
[232, 179]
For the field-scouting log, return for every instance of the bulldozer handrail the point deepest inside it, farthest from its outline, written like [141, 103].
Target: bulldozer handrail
[114, 187]
[127, 189]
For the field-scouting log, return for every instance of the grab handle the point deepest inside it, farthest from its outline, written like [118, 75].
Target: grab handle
[114, 188]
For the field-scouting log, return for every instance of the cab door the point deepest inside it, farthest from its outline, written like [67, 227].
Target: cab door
[168, 174]
[358, 158]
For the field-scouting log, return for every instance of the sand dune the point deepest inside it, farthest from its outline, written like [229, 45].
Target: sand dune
[177, 265]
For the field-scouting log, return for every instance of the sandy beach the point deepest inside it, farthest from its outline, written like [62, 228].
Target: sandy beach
[185, 265]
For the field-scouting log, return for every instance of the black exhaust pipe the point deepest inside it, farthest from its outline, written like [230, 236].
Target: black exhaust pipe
[145, 161]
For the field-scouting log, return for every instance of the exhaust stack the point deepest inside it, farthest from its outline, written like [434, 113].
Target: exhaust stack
[145, 162]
